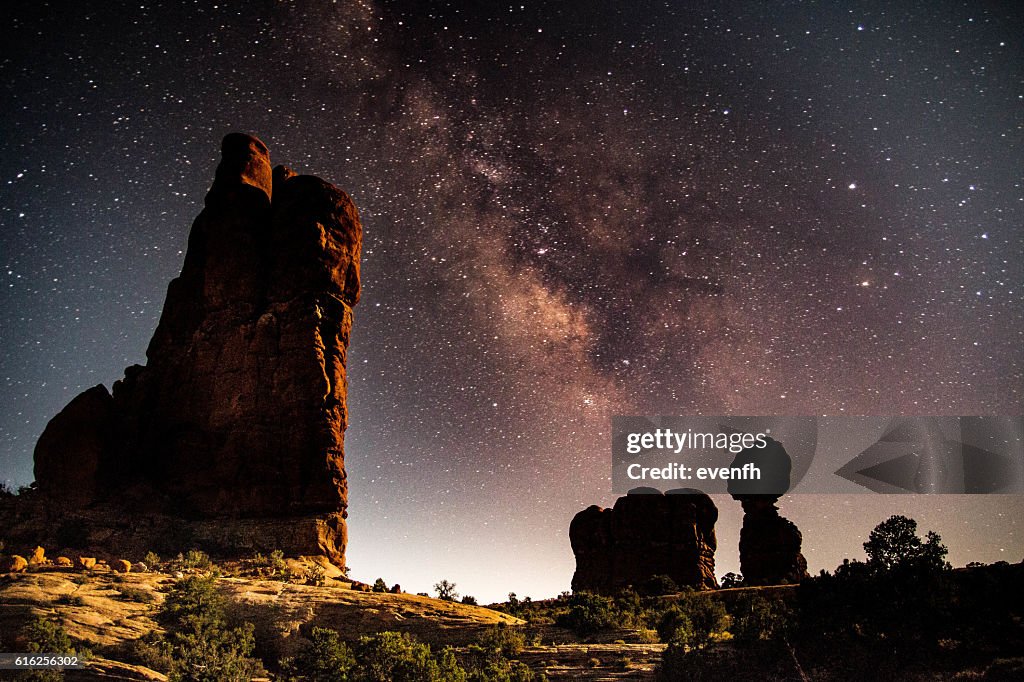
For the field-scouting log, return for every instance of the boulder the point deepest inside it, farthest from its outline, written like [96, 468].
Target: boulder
[38, 557]
[121, 566]
[87, 562]
[64, 562]
[13, 564]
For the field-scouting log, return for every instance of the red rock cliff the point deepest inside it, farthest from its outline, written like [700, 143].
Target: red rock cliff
[240, 412]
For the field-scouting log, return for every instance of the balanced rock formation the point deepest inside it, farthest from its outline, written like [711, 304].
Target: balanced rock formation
[645, 534]
[769, 543]
[234, 429]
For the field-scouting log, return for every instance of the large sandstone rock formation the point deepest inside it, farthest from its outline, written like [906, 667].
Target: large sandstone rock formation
[769, 543]
[643, 535]
[234, 429]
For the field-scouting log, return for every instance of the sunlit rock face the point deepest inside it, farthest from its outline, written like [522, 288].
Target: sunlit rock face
[236, 423]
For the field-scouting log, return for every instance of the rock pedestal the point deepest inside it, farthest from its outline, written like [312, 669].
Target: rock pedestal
[234, 429]
[643, 535]
[769, 544]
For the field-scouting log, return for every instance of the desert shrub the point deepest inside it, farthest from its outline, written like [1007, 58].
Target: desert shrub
[397, 657]
[446, 590]
[276, 561]
[194, 558]
[69, 600]
[659, 584]
[504, 640]
[672, 620]
[588, 613]
[691, 621]
[756, 618]
[204, 647]
[152, 560]
[678, 663]
[152, 651]
[490, 658]
[469, 600]
[316, 575]
[136, 594]
[326, 658]
[197, 559]
[44, 636]
[379, 585]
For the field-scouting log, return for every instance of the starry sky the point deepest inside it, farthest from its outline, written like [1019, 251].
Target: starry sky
[571, 210]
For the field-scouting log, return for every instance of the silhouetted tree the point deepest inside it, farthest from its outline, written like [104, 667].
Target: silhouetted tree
[730, 580]
[894, 543]
[446, 591]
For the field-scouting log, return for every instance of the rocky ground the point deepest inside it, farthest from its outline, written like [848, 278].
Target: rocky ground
[106, 611]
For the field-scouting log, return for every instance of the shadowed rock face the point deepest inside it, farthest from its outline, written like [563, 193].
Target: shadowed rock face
[769, 544]
[643, 535]
[240, 412]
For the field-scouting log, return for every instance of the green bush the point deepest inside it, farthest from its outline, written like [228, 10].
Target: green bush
[503, 640]
[397, 657]
[194, 558]
[379, 585]
[152, 560]
[490, 659]
[44, 636]
[692, 620]
[203, 645]
[588, 613]
[136, 594]
[756, 618]
[325, 658]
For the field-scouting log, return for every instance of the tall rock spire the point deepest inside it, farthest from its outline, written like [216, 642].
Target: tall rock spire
[236, 424]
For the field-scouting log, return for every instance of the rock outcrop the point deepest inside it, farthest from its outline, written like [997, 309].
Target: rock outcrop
[769, 543]
[645, 534]
[232, 434]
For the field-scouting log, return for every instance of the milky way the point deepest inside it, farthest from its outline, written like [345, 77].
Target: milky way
[570, 212]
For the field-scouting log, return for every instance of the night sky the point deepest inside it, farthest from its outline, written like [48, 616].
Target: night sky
[571, 210]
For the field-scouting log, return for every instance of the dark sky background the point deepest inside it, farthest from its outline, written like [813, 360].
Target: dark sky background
[571, 210]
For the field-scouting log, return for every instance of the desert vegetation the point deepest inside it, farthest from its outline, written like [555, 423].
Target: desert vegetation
[903, 612]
